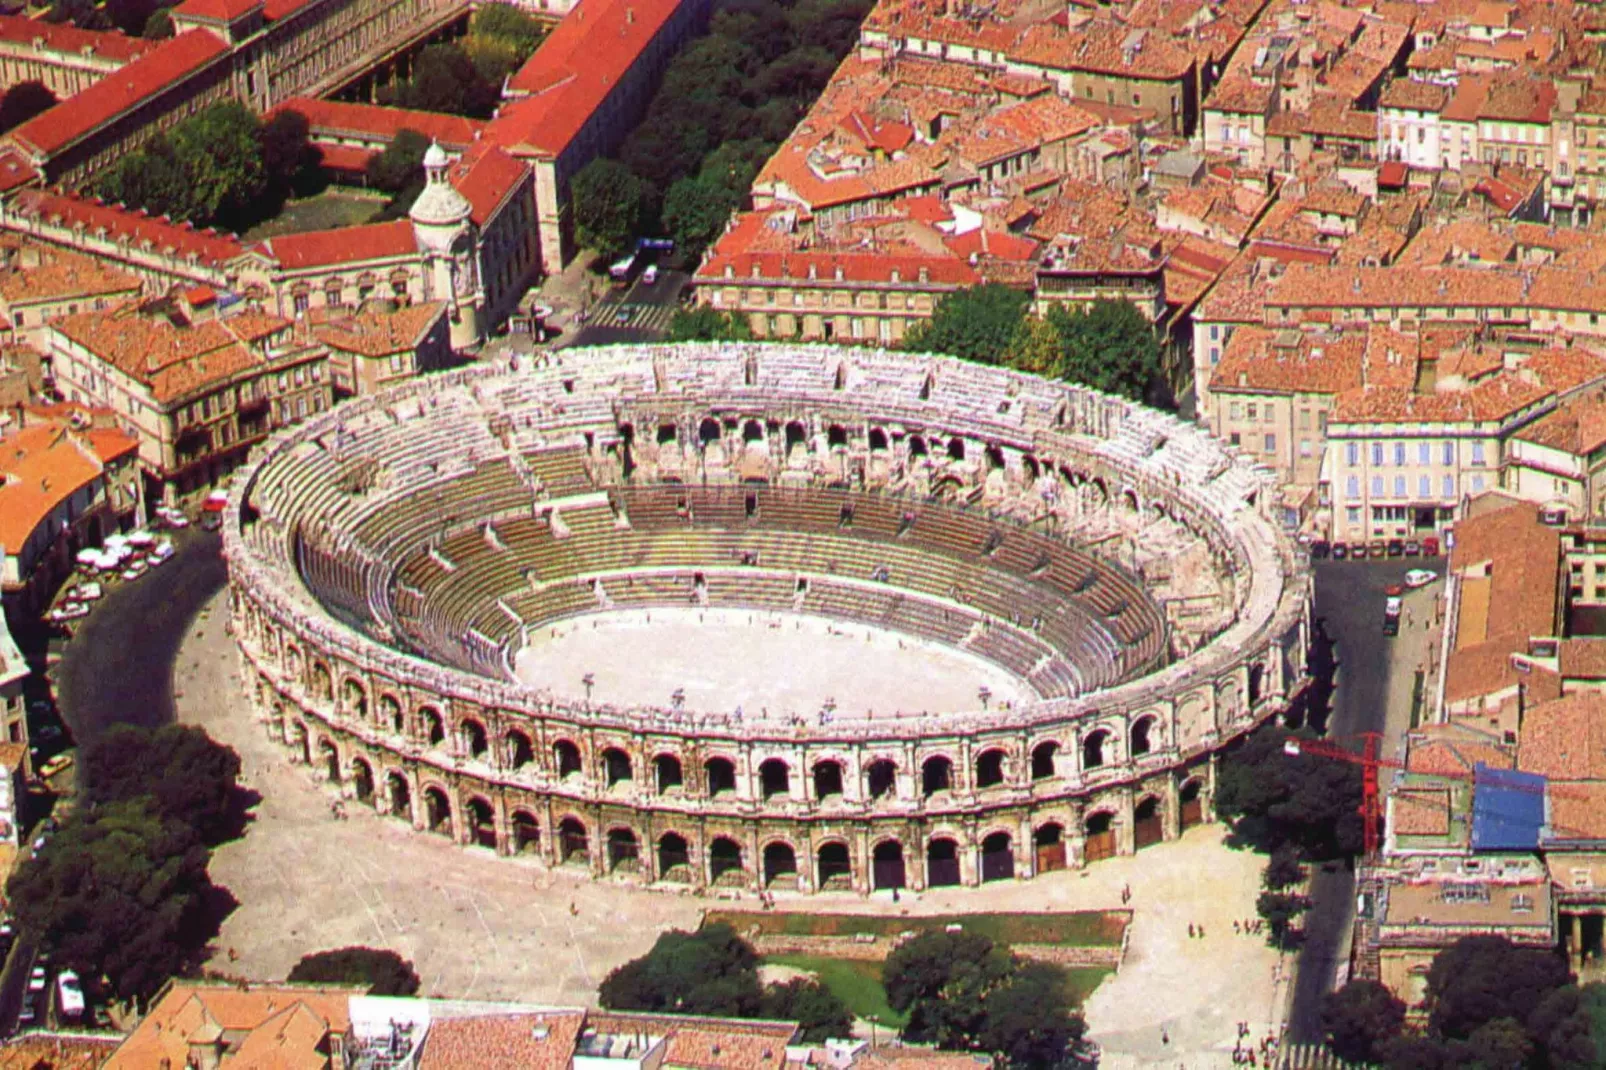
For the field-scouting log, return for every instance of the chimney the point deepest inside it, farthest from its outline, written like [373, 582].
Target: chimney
[925, 274]
[897, 276]
[838, 273]
[814, 270]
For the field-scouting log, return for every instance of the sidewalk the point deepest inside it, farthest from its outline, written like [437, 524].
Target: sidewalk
[569, 293]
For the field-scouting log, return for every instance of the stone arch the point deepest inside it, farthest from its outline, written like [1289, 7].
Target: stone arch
[573, 844]
[997, 856]
[942, 862]
[624, 850]
[956, 449]
[1048, 840]
[674, 858]
[354, 697]
[780, 862]
[1130, 501]
[990, 768]
[323, 686]
[881, 779]
[437, 811]
[520, 751]
[834, 865]
[300, 742]
[1190, 803]
[796, 435]
[390, 714]
[1029, 463]
[917, 446]
[526, 832]
[720, 775]
[430, 723]
[724, 859]
[752, 431]
[667, 773]
[774, 778]
[616, 767]
[1227, 699]
[1148, 822]
[1095, 748]
[401, 796]
[1043, 759]
[878, 440]
[1144, 736]
[362, 780]
[936, 774]
[827, 776]
[887, 865]
[708, 431]
[471, 734]
[566, 758]
[1098, 830]
[480, 818]
[329, 755]
[836, 437]
[1257, 682]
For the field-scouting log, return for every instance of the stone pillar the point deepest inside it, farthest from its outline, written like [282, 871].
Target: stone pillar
[1026, 853]
[1172, 796]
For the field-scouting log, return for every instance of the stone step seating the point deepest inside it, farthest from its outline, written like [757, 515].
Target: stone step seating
[562, 470]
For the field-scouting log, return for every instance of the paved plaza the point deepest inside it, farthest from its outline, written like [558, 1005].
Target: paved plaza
[483, 927]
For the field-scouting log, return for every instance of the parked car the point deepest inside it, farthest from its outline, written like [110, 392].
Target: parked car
[36, 979]
[1340, 551]
[1391, 625]
[1430, 546]
[55, 765]
[1320, 548]
[1377, 548]
[1396, 547]
[1357, 551]
[1413, 548]
[1420, 577]
[650, 276]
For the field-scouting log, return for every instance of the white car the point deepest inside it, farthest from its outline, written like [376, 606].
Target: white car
[135, 570]
[1420, 577]
[650, 276]
[1392, 606]
[68, 611]
[161, 553]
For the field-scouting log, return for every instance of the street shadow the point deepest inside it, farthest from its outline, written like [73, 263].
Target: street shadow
[242, 814]
[201, 928]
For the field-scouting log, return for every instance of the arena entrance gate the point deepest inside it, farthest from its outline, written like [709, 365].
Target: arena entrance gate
[1050, 843]
[997, 857]
[1192, 805]
[942, 863]
[1148, 824]
[888, 865]
[1100, 837]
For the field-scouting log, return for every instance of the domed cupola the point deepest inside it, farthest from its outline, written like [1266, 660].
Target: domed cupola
[440, 212]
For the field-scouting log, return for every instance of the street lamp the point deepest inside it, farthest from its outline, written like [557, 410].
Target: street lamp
[984, 693]
[588, 681]
[678, 698]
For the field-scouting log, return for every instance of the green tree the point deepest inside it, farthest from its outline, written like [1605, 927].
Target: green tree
[186, 776]
[1480, 978]
[507, 23]
[607, 206]
[1034, 347]
[1283, 869]
[1109, 346]
[735, 164]
[80, 13]
[1280, 910]
[695, 213]
[1569, 1025]
[289, 158]
[23, 101]
[976, 324]
[400, 164]
[1411, 1052]
[446, 80]
[704, 323]
[119, 892]
[1501, 1044]
[1273, 799]
[1029, 1020]
[819, 1012]
[222, 162]
[383, 971]
[710, 971]
[1359, 1019]
[159, 27]
[150, 179]
[130, 16]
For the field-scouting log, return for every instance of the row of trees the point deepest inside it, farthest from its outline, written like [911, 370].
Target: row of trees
[1490, 1004]
[466, 78]
[22, 102]
[726, 103]
[121, 891]
[136, 18]
[220, 167]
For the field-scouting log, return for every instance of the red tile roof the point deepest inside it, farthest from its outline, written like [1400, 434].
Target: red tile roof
[317, 248]
[216, 10]
[79, 115]
[347, 158]
[335, 118]
[118, 224]
[486, 175]
[15, 170]
[64, 37]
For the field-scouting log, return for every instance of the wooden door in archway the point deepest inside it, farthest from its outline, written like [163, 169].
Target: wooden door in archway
[1100, 838]
[1192, 805]
[1148, 824]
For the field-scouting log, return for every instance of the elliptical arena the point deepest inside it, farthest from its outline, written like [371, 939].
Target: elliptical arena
[407, 569]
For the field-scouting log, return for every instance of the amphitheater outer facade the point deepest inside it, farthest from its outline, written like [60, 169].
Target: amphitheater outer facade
[334, 529]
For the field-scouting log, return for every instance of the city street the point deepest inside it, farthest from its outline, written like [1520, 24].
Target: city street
[1374, 681]
[635, 313]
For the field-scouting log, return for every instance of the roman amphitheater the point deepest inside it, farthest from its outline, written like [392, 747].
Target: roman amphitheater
[762, 616]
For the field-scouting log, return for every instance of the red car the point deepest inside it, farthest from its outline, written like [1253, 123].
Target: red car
[1430, 546]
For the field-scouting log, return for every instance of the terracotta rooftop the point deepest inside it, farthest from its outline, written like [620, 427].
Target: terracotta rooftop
[132, 228]
[336, 118]
[345, 245]
[46, 1051]
[1565, 739]
[67, 38]
[41, 273]
[42, 465]
[376, 333]
[533, 1041]
[1577, 427]
[286, 1027]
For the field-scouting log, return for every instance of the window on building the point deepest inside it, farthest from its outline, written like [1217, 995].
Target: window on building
[1233, 438]
[1234, 411]
[1399, 486]
[1424, 453]
[1477, 453]
[301, 302]
[1215, 332]
[1377, 486]
[1449, 486]
[1377, 453]
[1449, 453]
[1254, 412]
[1215, 355]
[1352, 454]
[1304, 447]
[1399, 455]
[1424, 486]
[1352, 487]
[1271, 443]
[1353, 515]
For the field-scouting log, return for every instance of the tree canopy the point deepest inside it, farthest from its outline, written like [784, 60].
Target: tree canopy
[704, 323]
[1360, 1018]
[963, 992]
[383, 971]
[695, 211]
[23, 101]
[290, 160]
[976, 324]
[120, 891]
[445, 79]
[713, 971]
[1108, 346]
[1480, 978]
[607, 206]
[184, 774]
[400, 164]
[1274, 799]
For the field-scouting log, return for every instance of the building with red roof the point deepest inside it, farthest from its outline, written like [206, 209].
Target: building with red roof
[65, 59]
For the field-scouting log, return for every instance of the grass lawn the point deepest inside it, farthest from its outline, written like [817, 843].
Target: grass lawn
[857, 983]
[325, 211]
[1082, 980]
[1088, 928]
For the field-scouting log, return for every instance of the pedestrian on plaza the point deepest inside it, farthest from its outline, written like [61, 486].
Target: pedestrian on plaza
[1190, 930]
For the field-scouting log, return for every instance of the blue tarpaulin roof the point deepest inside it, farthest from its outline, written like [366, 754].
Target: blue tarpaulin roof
[1508, 809]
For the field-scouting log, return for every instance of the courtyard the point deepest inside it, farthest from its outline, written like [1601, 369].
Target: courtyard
[482, 927]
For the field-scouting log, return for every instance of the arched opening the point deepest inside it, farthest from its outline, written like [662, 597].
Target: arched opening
[878, 439]
[674, 858]
[917, 446]
[956, 449]
[1100, 833]
[942, 863]
[886, 869]
[990, 769]
[836, 436]
[572, 843]
[567, 757]
[520, 751]
[1043, 756]
[1142, 736]
[1257, 679]
[1029, 463]
[883, 779]
[299, 743]
[475, 744]
[1148, 823]
[836, 868]
[1049, 841]
[997, 857]
[615, 767]
[827, 779]
[1129, 500]
[322, 686]
[666, 433]
[390, 713]
[708, 431]
[1093, 749]
[780, 862]
[362, 780]
[721, 774]
[796, 435]
[724, 859]
[666, 771]
[401, 797]
[1192, 804]
[526, 833]
[437, 812]
[481, 822]
[936, 774]
[331, 761]
[995, 457]
[774, 778]
[355, 699]
[434, 729]
[752, 431]
[624, 852]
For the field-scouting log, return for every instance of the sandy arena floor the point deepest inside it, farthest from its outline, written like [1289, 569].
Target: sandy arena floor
[767, 664]
[482, 927]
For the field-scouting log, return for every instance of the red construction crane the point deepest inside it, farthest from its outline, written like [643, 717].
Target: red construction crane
[1370, 762]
